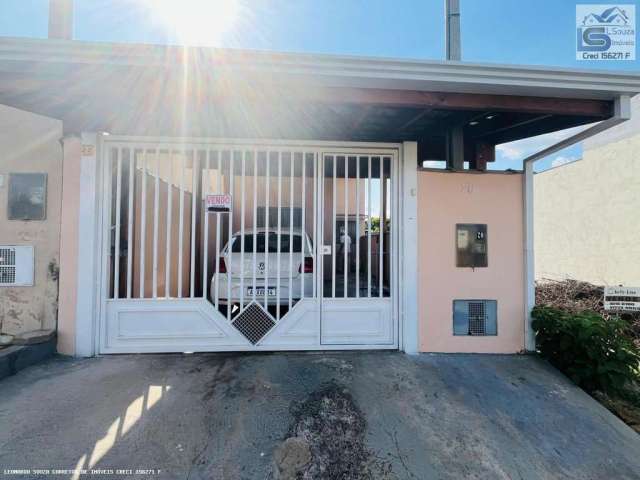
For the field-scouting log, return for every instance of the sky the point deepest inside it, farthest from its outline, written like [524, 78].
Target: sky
[520, 32]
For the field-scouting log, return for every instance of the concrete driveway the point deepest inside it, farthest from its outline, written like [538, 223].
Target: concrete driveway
[227, 416]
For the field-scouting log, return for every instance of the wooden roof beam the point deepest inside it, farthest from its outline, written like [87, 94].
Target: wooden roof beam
[459, 101]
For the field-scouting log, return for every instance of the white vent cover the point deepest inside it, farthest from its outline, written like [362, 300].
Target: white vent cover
[16, 265]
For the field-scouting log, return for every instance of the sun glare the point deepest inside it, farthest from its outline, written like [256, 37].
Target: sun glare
[196, 22]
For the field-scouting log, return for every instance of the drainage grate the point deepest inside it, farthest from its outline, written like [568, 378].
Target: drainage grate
[477, 318]
[254, 323]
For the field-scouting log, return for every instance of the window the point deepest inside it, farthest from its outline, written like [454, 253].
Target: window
[273, 243]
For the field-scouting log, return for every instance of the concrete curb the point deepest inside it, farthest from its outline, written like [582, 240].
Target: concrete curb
[18, 357]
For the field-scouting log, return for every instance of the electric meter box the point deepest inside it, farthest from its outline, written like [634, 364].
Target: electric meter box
[471, 245]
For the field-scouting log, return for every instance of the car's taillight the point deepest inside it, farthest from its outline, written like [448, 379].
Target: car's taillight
[222, 268]
[308, 265]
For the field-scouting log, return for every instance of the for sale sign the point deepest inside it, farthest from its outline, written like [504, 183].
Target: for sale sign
[622, 299]
[219, 203]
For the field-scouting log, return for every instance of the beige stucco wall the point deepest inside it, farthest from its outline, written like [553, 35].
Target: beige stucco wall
[444, 199]
[31, 143]
[69, 246]
[587, 216]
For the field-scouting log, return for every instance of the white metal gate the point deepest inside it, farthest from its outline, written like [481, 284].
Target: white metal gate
[304, 258]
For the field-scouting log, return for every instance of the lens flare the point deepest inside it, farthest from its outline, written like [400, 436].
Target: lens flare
[196, 22]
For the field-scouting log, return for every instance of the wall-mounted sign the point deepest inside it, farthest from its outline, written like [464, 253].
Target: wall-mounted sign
[27, 198]
[219, 202]
[622, 299]
[606, 32]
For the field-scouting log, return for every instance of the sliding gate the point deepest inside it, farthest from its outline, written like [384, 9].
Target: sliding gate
[220, 247]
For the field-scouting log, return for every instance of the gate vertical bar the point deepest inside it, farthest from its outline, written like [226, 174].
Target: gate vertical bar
[181, 227]
[391, 205]
[278, 233]
[194, 187]
[333, 230]
[143, 222]
[266, 229]
[242, 220]
[255, 214]
[303, 224]
[156, 212]
[230, 246]
[167, 266]
[316, 250]
[370, 225]
[205, 256]
[130, 224]
[291, 197]
[116, 255]
[345, 245]
[381, 223]
[107, 172]
[218, 231]
[357, 227]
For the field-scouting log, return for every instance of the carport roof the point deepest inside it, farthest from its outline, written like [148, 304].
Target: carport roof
[149, 89]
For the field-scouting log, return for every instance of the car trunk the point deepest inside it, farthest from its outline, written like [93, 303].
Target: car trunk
[288, 261]
[265, 265]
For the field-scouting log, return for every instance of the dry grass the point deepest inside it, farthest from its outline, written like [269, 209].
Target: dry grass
[626, 410]
[574, 296]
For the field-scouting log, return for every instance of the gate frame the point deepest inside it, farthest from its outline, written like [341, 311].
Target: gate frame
[92, 298]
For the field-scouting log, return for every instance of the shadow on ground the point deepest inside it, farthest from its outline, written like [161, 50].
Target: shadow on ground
[358, 415]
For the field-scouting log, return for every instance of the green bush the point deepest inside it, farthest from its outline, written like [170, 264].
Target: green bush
[595, 353]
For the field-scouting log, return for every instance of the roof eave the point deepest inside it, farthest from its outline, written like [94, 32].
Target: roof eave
[21, 54]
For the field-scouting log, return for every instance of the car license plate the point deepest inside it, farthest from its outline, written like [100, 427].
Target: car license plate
[260, 291]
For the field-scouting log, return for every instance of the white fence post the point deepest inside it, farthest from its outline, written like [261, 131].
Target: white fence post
[409, 252]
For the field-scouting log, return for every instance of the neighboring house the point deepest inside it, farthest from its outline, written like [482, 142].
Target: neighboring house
[30, 144]
[330, 147]
[587, 213]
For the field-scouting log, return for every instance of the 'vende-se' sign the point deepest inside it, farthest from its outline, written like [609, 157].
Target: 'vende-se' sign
[622, 299]
[219, 202]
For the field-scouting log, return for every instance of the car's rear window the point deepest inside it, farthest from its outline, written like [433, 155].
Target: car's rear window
[273, 243]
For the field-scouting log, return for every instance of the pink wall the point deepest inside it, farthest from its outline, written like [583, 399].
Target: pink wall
[69, 246]
[444, 199]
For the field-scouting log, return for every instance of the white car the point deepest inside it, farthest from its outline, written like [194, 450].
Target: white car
[235, 270]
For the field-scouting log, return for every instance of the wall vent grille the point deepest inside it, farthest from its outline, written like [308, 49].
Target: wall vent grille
[475, 317]
[16, 265]
[7, 266]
